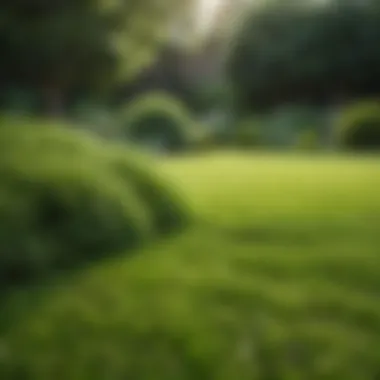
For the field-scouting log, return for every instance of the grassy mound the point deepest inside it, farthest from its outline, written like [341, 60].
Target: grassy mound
[67, 198]
[287, 289]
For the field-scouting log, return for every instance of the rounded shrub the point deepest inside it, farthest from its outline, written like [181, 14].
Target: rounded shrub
[66, 198]
[358, 126]
[158, 121]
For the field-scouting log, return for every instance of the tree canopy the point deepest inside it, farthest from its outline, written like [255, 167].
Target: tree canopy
[306, 52]
[56, 47]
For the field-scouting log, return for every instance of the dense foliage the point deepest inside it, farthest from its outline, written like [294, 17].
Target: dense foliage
[57, 48]
[247, 134]
[289, 51]
[67, 198]
[167, 73]
[358, 126]
[159, 121]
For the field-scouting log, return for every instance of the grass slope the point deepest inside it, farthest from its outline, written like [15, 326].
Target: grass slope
[280, 281]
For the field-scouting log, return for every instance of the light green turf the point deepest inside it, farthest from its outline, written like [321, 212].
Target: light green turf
[254, 189]
[279, 281]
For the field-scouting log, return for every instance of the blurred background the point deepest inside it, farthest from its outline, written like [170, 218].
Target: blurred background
[189, 189]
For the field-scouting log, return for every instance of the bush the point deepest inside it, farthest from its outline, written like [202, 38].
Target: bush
[66, 198]
[207, 140]
[358, 127]
[247, 134]
[96, 118]
[158, 121]
[307, 140]
[287, 123]
[243, 135]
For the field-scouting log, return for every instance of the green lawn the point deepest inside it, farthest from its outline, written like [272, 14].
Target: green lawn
[280, 280]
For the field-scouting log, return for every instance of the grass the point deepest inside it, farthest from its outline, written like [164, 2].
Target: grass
[279, 281]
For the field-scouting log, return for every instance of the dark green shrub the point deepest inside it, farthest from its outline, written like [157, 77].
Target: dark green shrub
[247, 134]
[244, 135]
[307, 140]
[206, 140]
[285, 125]
[358, 127]
[158, 121]
[66, 198]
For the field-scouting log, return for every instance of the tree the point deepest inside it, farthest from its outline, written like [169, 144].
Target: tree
[62, 46]
[167, 73]
[158, 121]
[302, 51]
